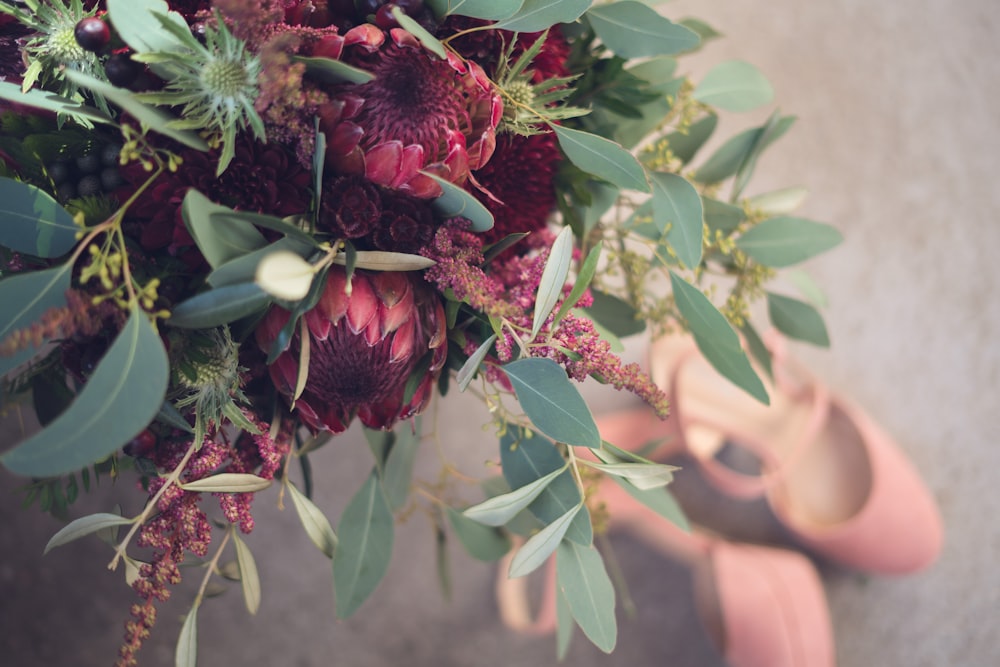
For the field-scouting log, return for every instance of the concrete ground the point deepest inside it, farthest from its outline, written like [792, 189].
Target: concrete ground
[897, 142]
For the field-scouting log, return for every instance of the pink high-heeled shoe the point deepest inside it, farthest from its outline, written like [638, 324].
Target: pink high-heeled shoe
[762, 607]
[830, 474]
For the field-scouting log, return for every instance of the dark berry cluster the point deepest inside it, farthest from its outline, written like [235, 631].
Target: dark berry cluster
[94, 34]
[92, 173]
[379, 12]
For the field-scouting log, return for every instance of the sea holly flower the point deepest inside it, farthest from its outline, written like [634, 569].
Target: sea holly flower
[364, 344]
[420, 113]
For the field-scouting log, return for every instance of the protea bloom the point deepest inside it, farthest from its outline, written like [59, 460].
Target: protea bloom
[363, 347]
[420, 112]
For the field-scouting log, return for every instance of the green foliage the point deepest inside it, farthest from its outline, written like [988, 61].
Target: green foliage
[537, 15]
[633, 30]
[590, 597]
[552, 403]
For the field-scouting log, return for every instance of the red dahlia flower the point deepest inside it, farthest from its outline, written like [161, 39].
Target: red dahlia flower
[363, 348]
[420, 112]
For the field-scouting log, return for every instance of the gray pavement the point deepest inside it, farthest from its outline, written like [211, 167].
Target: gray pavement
[897, 141]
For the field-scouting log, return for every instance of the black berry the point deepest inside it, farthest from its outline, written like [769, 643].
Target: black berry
[89, 164]
[384, 18]
[121, 70]
[66, 191]
[110, 154]
[92, 34]
[368, 7]
[88, 186]
[110, 179]
[58, 172]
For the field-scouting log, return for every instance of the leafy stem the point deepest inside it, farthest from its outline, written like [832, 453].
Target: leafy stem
[212, 567]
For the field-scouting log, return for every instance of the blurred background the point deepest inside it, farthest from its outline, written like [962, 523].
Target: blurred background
[898, 143]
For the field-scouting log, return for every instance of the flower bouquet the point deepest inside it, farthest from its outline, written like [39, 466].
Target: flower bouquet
[231, 229]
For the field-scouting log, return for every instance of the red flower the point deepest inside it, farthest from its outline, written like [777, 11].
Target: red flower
[420, 113]
[363, 347]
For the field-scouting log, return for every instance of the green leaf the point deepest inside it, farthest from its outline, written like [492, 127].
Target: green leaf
[716, 339]
[120, 399]
[490, 10]
[660, 500]
[784, 241]
[758, 350]
[642, 475]
[33, 222]
[734, 86]
[455, 201]
[219, 306]
[807, 287]
[25, 297]
[775, 126]
[678, 204]
[778, 202]
[616, 315]
[186, 654]
[553, 278]
[471, 365]
[537, 15]
[685, 145]
[136, 23]
[541, 545]
[220, 239]
[328, 70]
[43, 99]
[398, 470]
[581, 283]
[243, 269]
[382, 260]
[704, 30]
[722, 217]
[498, 510]
[365, 547]
[482, 542]
[797, 319]
[153, 118]
[228, 482]
[602, 157]
[249, 578]
[729, 157]
[429, 41]
[223, 215]
[633, 30]
[85, 525]
[564, 624]
[317, 526]
[552, 403]
[584, 582]
[525, 457]
[602, 198]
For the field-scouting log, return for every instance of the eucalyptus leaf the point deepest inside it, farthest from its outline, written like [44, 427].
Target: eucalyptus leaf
[676, 203]
[685, 145]
[602, 197]
[153, 118]
[553, 278]
[778, 202]
[722, 217]
[490, 10]
[642, 475]
[498, 510]
[220, 237]
[471, 365]
[704, 30]
[33, 222]
[364, 549]
[228, 482]
[582, 282]
[660, 500]
[25, 297]
[526, 457]
[186, 653]
[564, 625]
[328, 70]
[537, 15]
[122, 396]
[734, 86]
[716, 339]
[430, 42]
[807, 287]
[775, 125]
[601, 157]
[551, 401]
[482, 542]
[633, 30]
[136, 23]
[243, 269]
[756, 347]
[541, 545]
[584, 583]
[249, 578]
[274, 223]
[316, 524]
[797, 319]
[219, 306]
[398, 471]
[728, 158]
[85, 525]
[784, 241]
[43, 99]
[454, 201]
[614, 314]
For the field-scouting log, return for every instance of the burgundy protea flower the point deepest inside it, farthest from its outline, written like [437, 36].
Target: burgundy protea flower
[420, 112]
[363, 347]
[520, 176]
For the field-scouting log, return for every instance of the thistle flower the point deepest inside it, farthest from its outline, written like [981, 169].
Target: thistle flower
[420, 113]
[215, 82]
[364, 346]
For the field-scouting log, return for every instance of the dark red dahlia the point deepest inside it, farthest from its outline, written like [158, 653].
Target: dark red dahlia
[420, 113]
[521, 176]
[363, 347]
